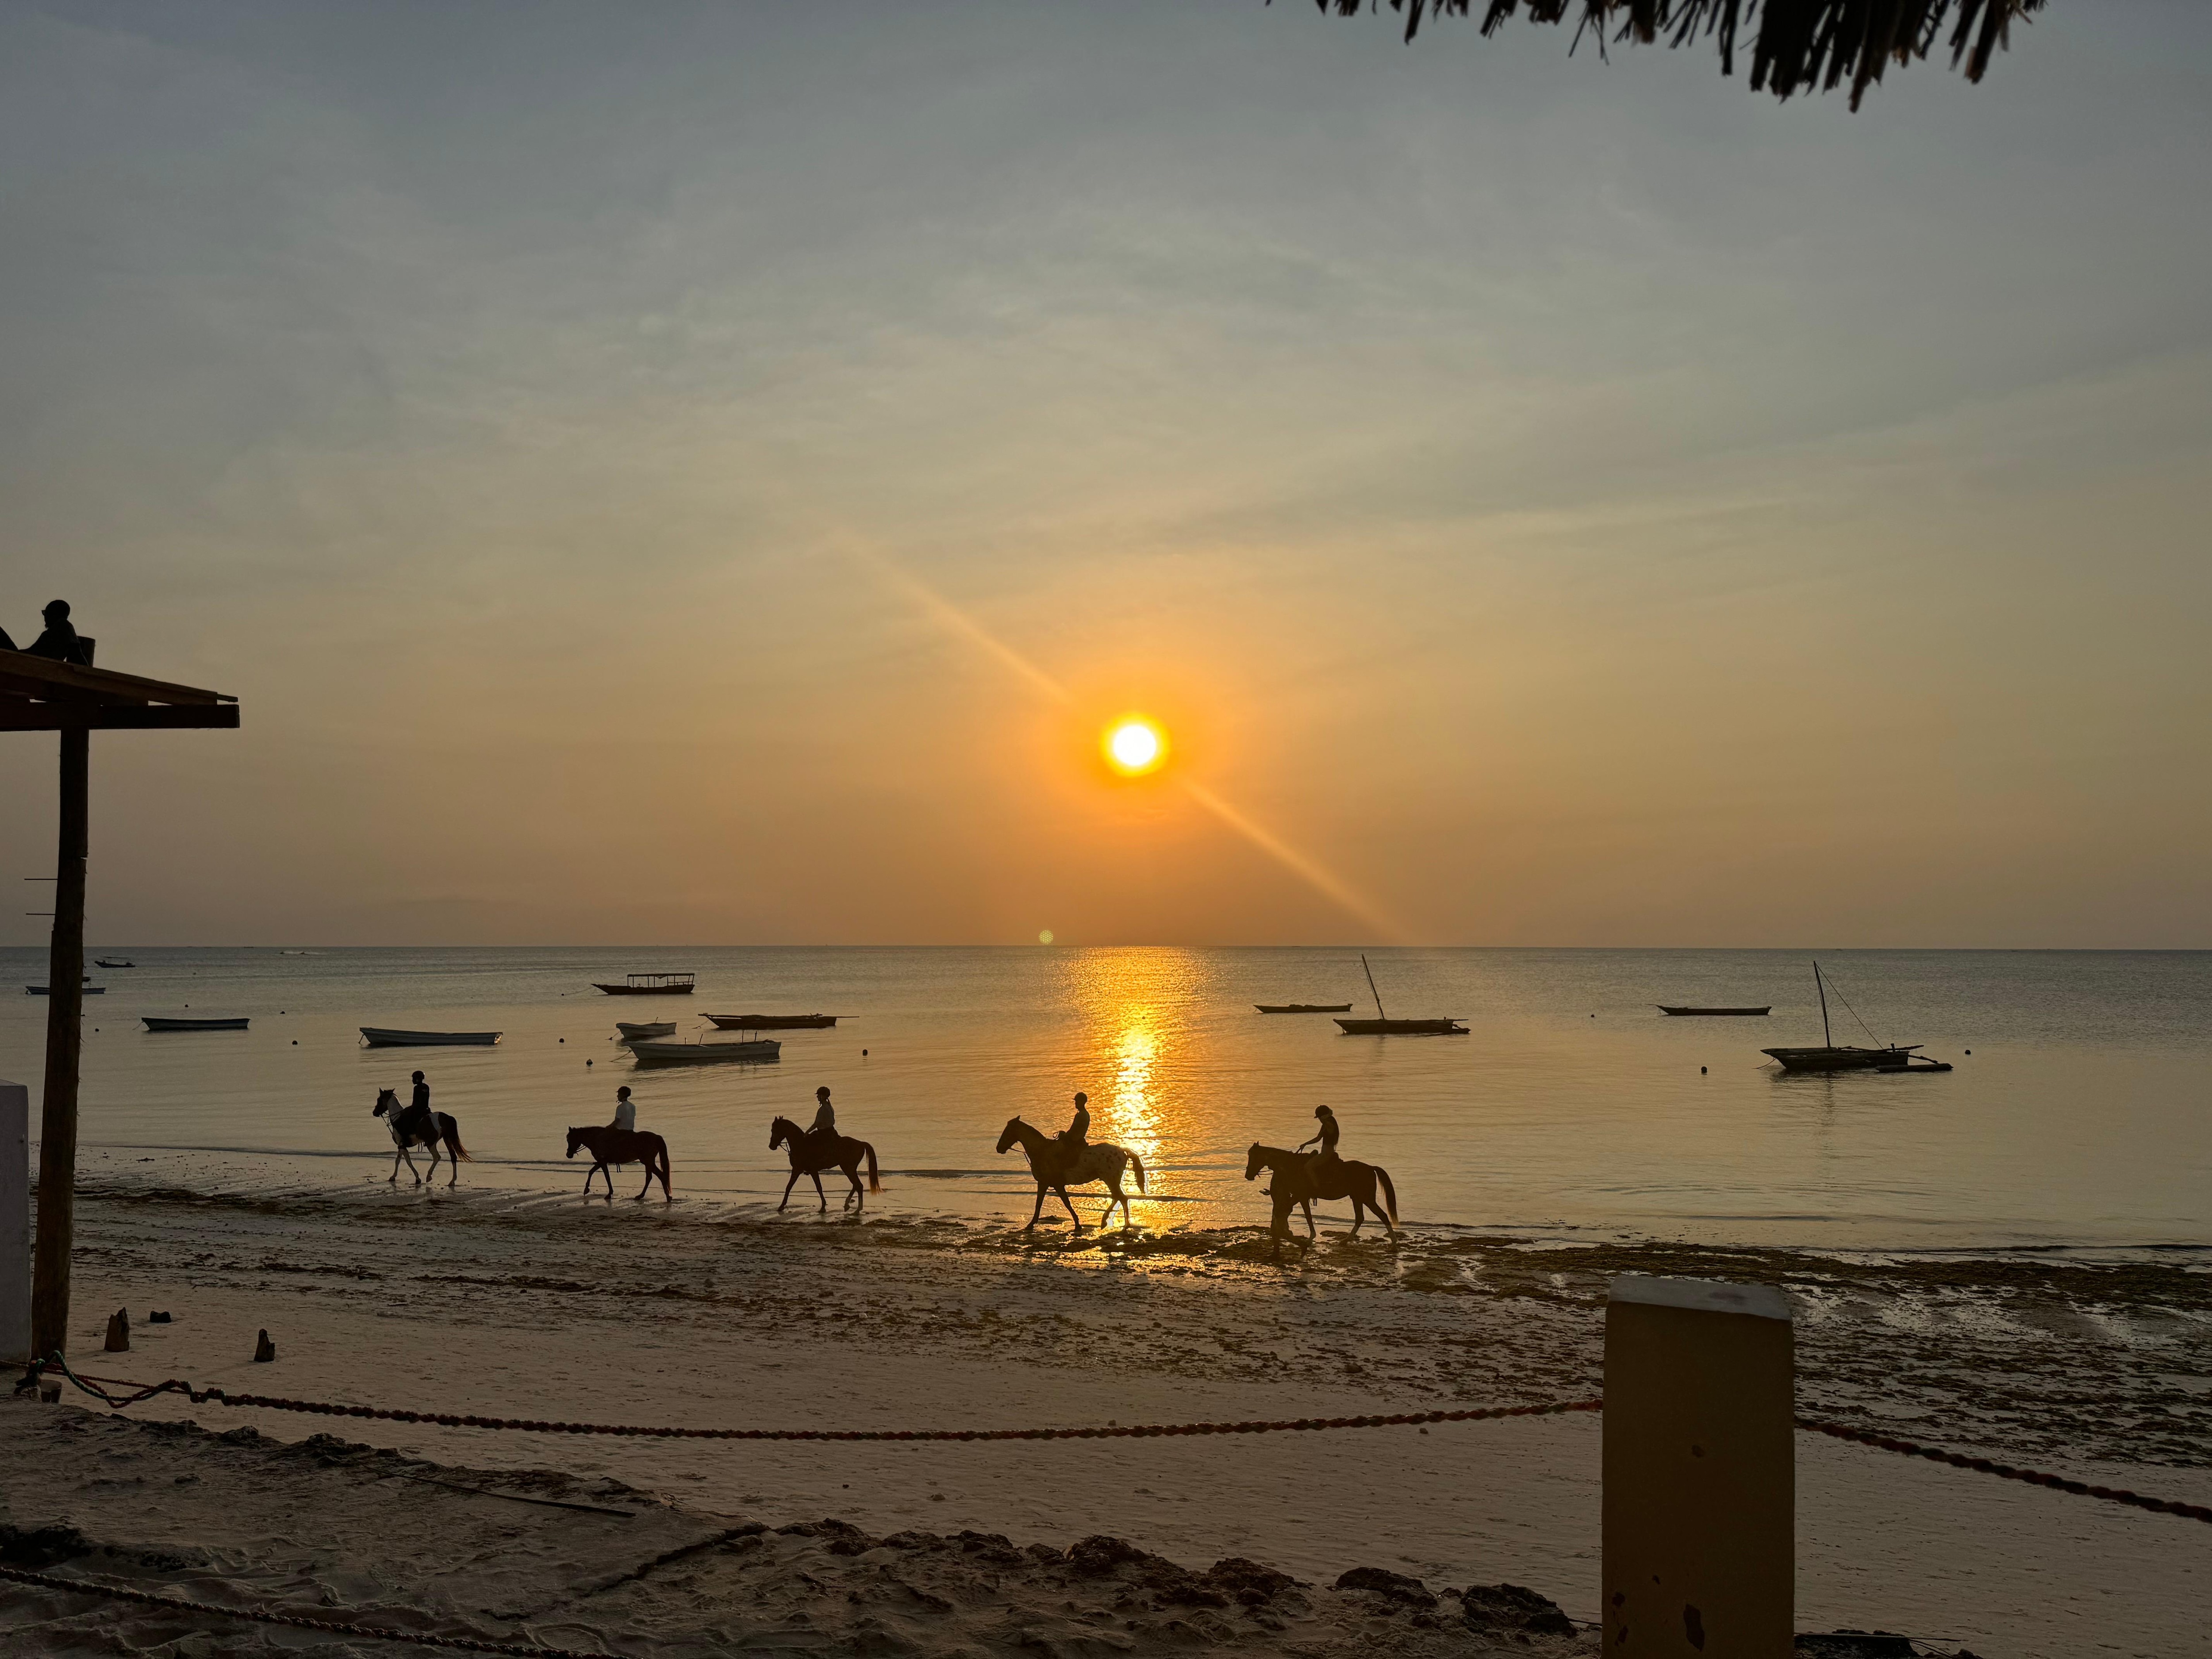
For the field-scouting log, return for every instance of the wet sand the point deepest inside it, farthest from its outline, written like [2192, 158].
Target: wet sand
[542, 1305]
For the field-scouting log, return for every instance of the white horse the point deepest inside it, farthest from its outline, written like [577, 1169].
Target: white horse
[421, 1132]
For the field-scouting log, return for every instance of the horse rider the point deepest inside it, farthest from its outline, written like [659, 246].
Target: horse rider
[823, 1130]
[1327, 1136]
[1075, 1139]
[417, 1121]
[625, 1111]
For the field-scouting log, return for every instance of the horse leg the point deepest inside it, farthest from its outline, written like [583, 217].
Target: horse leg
[1307, 1204]
[393, 1180]
[649, 1173]
[788, 1186]
[853, 1174]
[410, 1157]
[1037, 1210]
[1072, 1215]
[431, 1145]
[822, 1207]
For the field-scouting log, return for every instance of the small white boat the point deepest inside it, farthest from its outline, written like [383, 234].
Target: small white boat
[678, 1053]
[633, 1033]
[155, 1022]
[383, 1037]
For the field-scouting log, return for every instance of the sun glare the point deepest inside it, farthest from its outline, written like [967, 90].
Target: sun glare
[1134, 747]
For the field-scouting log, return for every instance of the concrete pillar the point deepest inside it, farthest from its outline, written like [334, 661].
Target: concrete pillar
[1700, 1472]
[14, 1223]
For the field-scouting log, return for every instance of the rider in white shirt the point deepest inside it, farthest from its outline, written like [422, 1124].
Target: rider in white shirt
[625, 1111]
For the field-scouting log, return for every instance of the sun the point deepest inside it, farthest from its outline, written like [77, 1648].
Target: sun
[1134, 746]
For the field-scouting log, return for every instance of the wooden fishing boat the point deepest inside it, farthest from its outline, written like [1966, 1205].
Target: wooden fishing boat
[103, 961]
[1383, 1025]
[41, 990]
[1715, 1013]
[634, 1033]
[699, 1054]
[155, 1022]
[1832, 1056]
[382, 1036]
[653, 985]
[1303, 1007]
[774, 1022]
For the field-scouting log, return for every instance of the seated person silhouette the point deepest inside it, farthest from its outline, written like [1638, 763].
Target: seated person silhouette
[822, 1131]
[59, 641]
[1075, 1139]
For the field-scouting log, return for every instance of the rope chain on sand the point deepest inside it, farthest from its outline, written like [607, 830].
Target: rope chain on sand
[2007, 1472]
[141, 1391]
[296, 1620]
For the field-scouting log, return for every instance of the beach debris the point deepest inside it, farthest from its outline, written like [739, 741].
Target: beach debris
[118, 1332]
[1513, 1607]
[157, 1318]
[264, 1350]
[50, 1393]
[1381, 1581]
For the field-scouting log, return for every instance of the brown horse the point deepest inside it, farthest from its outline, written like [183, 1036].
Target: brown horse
[1300, 1179]
[609, 1146]
[1049, 1163]
[810, 1154]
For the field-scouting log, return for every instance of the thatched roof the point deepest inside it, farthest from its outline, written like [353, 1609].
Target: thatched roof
[1797, 46]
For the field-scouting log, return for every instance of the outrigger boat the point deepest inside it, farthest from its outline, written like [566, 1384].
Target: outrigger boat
[645, 1032]
[774, 1022]
[676, 1054]
[1383, 1025]
[1303, 1007]
[653, 985]
[102, 962]
[155, 1022]
[1714, 1013]
[1831, 1056]
[381, 1036]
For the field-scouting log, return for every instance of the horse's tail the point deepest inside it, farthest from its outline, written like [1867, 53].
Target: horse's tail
[1138, 1164]
[662, 1145]
[1389, 1192]
[874, 1185]
[452, 1132]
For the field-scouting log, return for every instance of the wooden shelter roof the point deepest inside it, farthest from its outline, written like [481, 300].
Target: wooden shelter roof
[1797, 45]
[37, 694]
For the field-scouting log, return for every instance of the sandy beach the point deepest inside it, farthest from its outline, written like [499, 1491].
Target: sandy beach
[700, 1314]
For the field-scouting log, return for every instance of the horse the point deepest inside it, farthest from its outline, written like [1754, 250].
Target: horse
[419, 1133]
[1300, 1179]
[1049, 1163]
[812, 1154]
[609, 1145]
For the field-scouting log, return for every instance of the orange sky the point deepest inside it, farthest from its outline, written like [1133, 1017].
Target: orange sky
[713, 483]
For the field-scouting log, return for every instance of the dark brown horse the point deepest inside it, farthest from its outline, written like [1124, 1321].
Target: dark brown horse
[611, 1147]
[1054, 1171]
[1300, 1178]
[810, 1154]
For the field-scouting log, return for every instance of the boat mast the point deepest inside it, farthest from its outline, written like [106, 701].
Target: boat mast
[1826, 1041]
[1371, 991]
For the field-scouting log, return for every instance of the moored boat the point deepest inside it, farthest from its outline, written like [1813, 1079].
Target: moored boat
[645, 1032]
[89, 990]
[651, 985]
[1383, 1025]
[157, 1022]
[384, 1036]
[1715, 1013]
[1832, 1056]
[103, 961]
[699, 1053]
[774, 1022]
[1303, 1007]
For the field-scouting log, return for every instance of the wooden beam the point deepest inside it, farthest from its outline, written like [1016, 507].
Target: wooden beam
[50, 1278]
[101, 682]
[19, 716]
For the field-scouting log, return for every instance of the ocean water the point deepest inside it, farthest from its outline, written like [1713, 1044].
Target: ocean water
[2080, 1119]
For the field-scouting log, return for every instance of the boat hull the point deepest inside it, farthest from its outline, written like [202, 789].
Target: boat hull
[1840, 1060]
[1402, 1027]
[41, 990]
[1303, 1007]
[774, 1022]
[1716, 1013]
[645, 1033]
[704, 1054]
[645, 990]
[381, 1036]
[153, 1023]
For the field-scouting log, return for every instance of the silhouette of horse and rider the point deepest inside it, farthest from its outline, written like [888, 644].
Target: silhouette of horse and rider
[612, 1145]
[1074, 1159]
[1301, 1176]
[416, 1125]
[818, 1147]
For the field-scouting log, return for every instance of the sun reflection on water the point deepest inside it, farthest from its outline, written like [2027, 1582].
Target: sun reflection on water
[1137, 1008]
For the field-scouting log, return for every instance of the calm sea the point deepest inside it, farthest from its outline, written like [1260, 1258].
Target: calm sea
[2080, 1117]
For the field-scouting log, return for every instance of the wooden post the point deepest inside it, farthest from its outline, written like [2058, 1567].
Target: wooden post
[14, 1222]
[1700, 1474]
[49, 1292]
